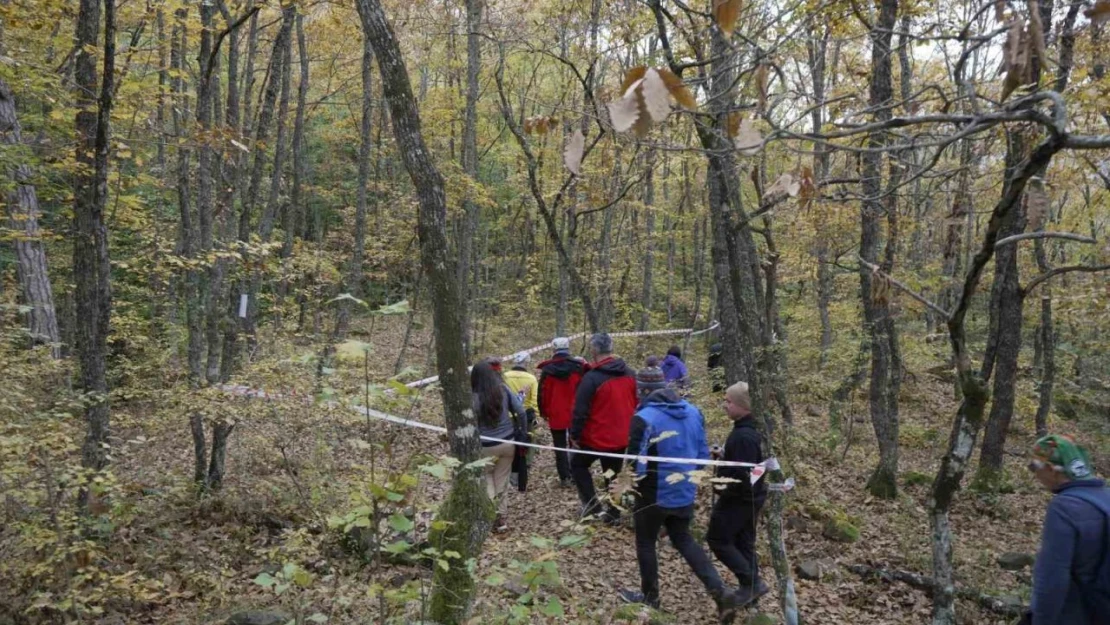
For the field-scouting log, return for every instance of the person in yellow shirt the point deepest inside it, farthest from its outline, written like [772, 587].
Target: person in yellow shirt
[524, 384]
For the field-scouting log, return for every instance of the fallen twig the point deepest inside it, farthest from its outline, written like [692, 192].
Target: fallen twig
[992, 603]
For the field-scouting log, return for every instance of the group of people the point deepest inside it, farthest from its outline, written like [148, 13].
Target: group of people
[602, 409]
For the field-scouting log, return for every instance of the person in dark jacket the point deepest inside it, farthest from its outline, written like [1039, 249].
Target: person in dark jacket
[668, 426]
[603, 407]
[559, 379]
[499, 414]
[1071, 577]
[674, 370]
[732, 523]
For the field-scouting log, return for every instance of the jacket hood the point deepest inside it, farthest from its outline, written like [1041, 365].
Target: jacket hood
[1088, 483]
[668, 402]
[560, 366]
[613, 365]
[671, 359]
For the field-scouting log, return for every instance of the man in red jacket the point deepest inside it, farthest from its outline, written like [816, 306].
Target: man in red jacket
[559, 379]
[603, 408]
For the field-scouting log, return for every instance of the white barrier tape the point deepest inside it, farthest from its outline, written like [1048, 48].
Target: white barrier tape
[757, 468]
[531, 350]
[786, 486]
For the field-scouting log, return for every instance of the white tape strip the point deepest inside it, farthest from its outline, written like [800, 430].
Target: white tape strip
[442, 430]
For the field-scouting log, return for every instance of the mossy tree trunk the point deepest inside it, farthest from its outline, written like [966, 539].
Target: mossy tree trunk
[467, 511]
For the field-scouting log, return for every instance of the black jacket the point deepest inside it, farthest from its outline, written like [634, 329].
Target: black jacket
[744, 444]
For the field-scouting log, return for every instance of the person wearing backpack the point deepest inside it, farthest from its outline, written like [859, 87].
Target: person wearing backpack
[1071, 576]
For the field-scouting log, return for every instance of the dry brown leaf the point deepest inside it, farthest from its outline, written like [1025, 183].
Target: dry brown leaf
[880, 288]
[1036, 206]
[787, 184]
[725, 13]
[1098, 13]
[625, 111]
[631, 77]
[679, 91]
[1017, 58]
[528, 126]
[807, 190]
[572, 156]
[732, 123]
[761, 77]
[657, 98]
[748, 140]
[1000, 10]
[1036, 30]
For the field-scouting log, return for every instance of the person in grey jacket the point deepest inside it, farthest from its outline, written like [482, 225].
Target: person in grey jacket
[499, 413]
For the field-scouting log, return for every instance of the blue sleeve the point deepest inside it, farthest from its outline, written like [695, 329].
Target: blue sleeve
[1052, 571]
[702, 442]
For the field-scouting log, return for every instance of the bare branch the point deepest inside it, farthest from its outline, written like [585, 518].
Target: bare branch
[1060, 270]
[1044, 235]
[905, 289]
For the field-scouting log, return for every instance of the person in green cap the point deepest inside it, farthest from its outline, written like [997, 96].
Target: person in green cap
[1071, 577]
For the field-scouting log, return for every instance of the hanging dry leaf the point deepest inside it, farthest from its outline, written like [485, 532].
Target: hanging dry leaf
[1098, 13]
[761, 77]
[624, 111]
[1000, 10]
[1016, 62]
[657, 99]
[748, 140]
[880, 288]
[807, 189]
[540, 125]
[631, 78]
[1036, 30]
[1036, 206]
[572, 156]
[679, 91]
[732, 123]
[787, 184]
[528, 126]
[725, 13]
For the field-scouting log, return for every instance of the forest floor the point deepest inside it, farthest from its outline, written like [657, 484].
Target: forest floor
[294, 467]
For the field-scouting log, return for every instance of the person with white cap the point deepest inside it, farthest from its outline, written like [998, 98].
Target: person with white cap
[558, 382]
[524, 384]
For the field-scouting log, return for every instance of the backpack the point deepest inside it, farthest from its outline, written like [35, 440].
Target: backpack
[1096, 593]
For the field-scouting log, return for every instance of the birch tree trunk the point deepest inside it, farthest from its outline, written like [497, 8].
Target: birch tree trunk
[23, 215]
[649, 241]
[467, 510]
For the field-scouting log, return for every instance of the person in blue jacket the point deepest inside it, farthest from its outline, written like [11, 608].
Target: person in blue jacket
[668, 426]
[1071, 577]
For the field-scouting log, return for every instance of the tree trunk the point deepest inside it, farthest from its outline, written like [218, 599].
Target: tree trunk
[23, 215]
[467, 511]
[295, 213]
[817, 47]
[1047, 340]
[873, 293]
[649, 242]
[91, 269]
[471, 211]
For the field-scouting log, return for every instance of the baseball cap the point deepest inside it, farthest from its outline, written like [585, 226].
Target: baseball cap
[561, 344]
[1062, 451]
[520, 358]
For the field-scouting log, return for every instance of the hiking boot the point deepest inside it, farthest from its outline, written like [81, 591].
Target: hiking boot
[565, 482]
[748, 594]
[728, 603]
[611, 518]
[635, 596]
[499, 525]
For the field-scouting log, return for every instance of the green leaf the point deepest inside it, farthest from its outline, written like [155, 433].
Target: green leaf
[265, 580]
[573, 540]
[394, 497]
[524, 599]
[401, 389]
[495, 579]
[397, 548]
[347, 297]
[396, 308]
[400, 523]
[553, 607]
[437, 470]
[317, 618]
[452, 554]
[541, 542]
[352, 349]
[444, 564]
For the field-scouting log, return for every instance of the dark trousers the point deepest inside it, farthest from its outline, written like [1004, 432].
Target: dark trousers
[731, 536]
[648, 520]
[562, 463]
[584, 480]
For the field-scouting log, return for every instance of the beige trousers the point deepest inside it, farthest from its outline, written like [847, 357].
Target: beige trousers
[497, 474]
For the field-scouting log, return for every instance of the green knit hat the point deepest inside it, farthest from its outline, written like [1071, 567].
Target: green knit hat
[1062, 451]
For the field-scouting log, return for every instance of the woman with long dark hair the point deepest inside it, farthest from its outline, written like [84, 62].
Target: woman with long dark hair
[494, 406]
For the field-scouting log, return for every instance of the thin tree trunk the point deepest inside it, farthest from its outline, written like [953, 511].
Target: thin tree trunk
[649, 244]
[91, 269]
[1046, 334]
[23, 215]
[467, 511]
[471, 211]
[873, 292]
[817, 47]
[295, 213]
